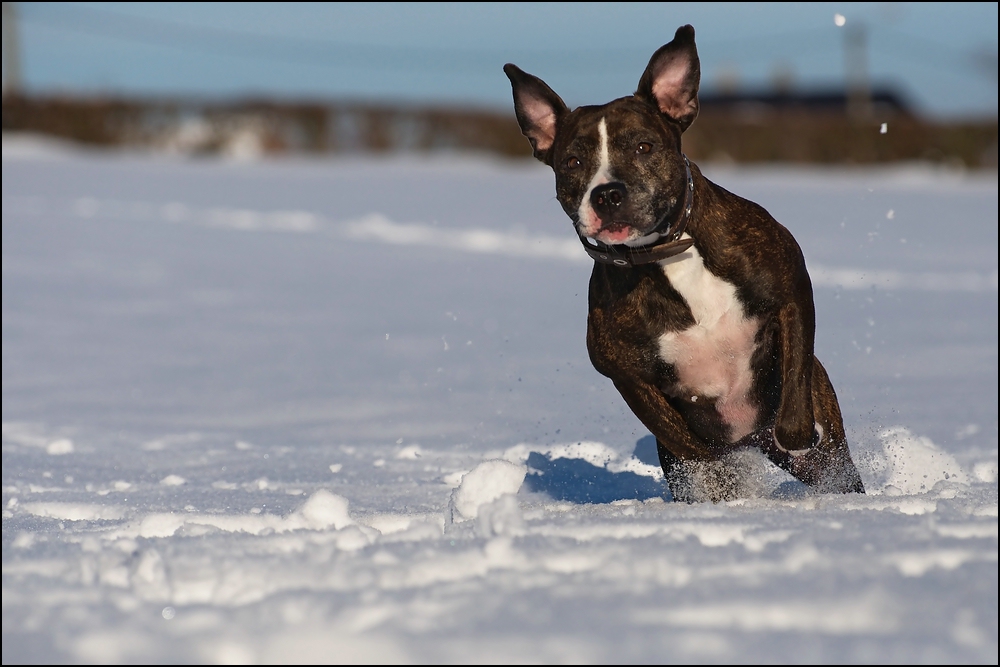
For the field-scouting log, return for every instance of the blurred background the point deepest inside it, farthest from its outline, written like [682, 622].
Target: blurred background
[781, 82]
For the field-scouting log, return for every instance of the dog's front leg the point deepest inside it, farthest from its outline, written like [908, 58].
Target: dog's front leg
[809, 439]
[675, 443]
[794, 430]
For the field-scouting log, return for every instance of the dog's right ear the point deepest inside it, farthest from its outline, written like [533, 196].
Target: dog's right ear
[538, 110]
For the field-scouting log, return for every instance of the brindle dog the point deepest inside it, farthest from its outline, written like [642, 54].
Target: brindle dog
[701, 309]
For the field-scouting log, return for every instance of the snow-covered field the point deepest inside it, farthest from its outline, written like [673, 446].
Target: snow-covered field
[341, 410]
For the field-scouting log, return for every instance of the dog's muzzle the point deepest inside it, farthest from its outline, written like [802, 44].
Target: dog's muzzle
[607, 198]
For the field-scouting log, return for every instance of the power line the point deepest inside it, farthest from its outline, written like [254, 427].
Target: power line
[226, 41]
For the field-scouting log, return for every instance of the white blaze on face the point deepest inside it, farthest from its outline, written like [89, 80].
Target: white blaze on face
[589, 222]
[712, 358]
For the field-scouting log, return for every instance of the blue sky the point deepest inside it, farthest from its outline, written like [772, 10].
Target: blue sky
[941, 56]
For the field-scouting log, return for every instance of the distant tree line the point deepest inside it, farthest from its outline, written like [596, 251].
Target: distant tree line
[742, 131]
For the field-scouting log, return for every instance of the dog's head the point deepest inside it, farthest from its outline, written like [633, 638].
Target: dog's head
[619, 168]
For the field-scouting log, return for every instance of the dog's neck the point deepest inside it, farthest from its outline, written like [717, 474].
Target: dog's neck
[666, 238]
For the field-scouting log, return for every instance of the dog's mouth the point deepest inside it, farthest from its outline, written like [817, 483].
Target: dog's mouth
[624, 227]
[632, 225]
[622, 232]
[616, 233]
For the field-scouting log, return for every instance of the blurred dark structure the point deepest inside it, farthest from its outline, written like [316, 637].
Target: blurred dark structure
[740, 126]
[824, 126]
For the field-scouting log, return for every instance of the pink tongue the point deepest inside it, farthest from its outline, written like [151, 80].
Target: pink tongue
[616, 236]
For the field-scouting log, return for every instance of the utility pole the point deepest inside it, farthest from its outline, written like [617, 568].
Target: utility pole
[859, 97]
[11, 52]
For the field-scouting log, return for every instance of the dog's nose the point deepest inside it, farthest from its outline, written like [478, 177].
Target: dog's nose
[607, 198]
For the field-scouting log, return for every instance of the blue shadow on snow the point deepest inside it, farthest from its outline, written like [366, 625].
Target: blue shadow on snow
[578, 481]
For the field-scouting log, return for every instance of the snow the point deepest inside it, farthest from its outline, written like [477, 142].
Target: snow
[341, 410]
[486, 483]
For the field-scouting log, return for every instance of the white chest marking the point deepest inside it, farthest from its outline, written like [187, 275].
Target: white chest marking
[712, 357]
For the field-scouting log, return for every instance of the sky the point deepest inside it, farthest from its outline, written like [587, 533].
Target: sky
[942, 57]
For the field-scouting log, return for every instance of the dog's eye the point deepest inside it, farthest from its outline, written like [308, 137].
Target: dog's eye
[573, 162]
[643, 148]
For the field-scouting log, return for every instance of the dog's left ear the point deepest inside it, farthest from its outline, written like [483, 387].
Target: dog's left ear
[672, 78]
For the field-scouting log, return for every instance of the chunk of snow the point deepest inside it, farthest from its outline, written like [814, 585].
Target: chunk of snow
[985, 471]
[325, 510]
[60, 447]
[485, 483]
[74, 511]
[410, 452]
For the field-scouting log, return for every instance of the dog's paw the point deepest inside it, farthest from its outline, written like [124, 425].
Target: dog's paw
[818, 433]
